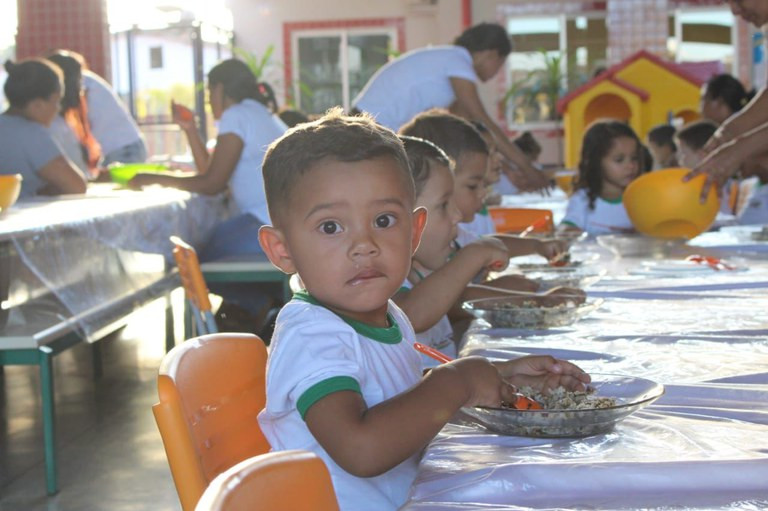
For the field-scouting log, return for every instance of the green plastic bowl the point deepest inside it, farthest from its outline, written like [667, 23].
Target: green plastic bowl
[123, 173]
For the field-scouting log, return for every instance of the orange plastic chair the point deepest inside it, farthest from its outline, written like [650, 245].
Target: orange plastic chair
[516, 220]
[211, 389]
[195, 289]
[294, 480]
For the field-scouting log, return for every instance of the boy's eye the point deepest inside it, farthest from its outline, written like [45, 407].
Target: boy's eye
[383, 221]
[330, 227]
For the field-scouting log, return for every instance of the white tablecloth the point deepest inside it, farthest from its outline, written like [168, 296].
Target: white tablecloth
[703, 445]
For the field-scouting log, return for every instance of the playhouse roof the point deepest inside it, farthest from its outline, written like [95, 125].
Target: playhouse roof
[610, 76]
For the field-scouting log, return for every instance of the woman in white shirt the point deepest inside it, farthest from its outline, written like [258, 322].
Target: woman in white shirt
[246, 128]
[442, 77]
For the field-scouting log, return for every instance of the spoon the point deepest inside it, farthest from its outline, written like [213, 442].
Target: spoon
[541, 222]
[520, 402]
[546, 292]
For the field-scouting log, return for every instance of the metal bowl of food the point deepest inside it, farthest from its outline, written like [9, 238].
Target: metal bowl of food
[637, 245]
[568, 414]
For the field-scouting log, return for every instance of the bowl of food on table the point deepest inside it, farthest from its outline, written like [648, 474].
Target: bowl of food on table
[607, 400]
[640, 245]
[122, 173]
[554, 307]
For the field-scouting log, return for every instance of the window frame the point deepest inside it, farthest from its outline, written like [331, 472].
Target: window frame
[292, 32]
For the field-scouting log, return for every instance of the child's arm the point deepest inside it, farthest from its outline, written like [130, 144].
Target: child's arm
[369, 441]
[431, 298]
[518, 246]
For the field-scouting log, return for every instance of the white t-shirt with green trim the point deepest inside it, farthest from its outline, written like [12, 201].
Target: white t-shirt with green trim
[439, 336]
[481, 225]
[315, 352]
[608, 217]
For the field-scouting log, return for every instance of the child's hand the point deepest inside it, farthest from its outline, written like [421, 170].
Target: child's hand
[492, 253]
[552, 249]
[483, 381]
[543, 372]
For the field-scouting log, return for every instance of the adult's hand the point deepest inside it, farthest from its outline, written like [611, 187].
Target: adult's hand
[717, 166]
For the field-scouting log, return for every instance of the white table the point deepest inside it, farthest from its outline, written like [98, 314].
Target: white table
[703, 445]
[72, 268]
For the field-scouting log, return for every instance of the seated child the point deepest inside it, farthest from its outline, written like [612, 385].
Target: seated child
[661, 143]
[465, 145]
[440, 282]
[483, 223]
[610, 160]
[343, 379]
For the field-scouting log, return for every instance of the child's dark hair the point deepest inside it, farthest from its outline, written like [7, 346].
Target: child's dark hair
[485, 36]
[422, 154]
[597, 142]
[729, 90]
[696, 134]
[292, 117]
[239, 82]
[72, 66]
[449, 132]
[334, 137]
[528, 144]
[31, 79]
[663, 135]
[646, 159]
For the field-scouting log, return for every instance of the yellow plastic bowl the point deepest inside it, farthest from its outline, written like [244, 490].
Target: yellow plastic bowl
[661, 205]
[10, 187]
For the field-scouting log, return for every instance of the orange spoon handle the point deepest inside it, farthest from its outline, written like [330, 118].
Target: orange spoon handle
[432, 352]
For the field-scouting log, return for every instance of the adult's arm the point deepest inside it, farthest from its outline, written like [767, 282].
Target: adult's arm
[753, 115]
[727, 158]
[469, 102]
[214, 180]
[61, 177]
[185, 118]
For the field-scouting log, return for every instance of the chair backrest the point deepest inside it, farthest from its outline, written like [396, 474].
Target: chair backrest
[193, 282]
[516, 220]
[211, 390]
[277, 481]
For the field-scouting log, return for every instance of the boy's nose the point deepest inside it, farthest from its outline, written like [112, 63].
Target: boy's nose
[364, 246]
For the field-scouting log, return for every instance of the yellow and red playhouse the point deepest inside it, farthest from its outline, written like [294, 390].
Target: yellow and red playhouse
[644, 90]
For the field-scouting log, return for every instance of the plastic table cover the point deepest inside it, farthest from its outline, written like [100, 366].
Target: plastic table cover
[703, 445]
[84, 256]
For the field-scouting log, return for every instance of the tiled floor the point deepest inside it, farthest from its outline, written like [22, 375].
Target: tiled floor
[109, 450]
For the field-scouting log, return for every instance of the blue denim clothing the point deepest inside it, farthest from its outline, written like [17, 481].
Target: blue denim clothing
[135, 152]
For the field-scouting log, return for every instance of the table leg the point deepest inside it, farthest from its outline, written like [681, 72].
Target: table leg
[49, 419]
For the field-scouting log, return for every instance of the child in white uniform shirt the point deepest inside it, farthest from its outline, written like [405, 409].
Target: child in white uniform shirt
[610, 160]
[343, 379]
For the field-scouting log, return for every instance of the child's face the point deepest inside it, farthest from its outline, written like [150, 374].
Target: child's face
[495, 160]
[350, 233]
[687, 156]
[442, 218]
[660, 153]
[469, 187]
[621, 165]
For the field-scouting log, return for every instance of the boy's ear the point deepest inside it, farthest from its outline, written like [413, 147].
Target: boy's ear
[273, 243]
[419, 221]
